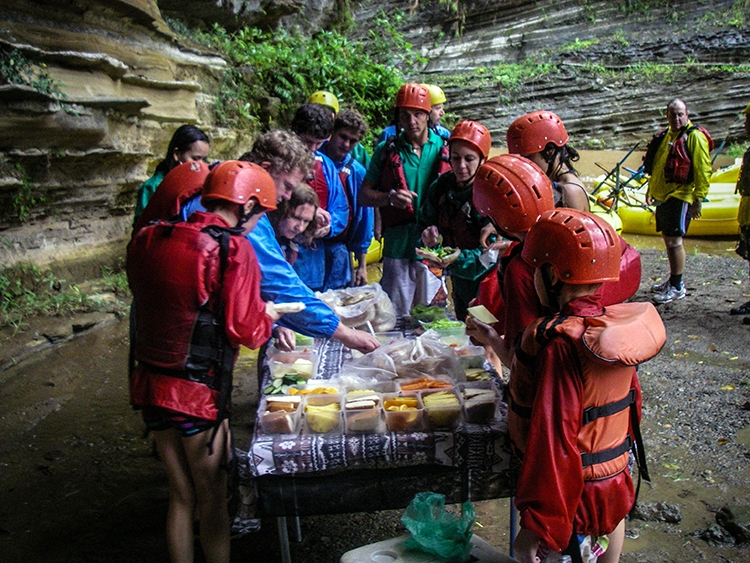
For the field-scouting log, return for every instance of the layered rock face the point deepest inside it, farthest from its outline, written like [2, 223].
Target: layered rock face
[69, 169]
[590, 43]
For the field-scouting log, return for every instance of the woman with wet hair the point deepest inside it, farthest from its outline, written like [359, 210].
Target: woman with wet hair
[541, 137]
[294, 221]
[188, 144]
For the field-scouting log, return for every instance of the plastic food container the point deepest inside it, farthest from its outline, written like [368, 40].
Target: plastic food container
[304, 364]
[403, 412]
[480, 401]
[363, 413]
[280, 415]
[442, 407]
[322, 414]
[389, 337]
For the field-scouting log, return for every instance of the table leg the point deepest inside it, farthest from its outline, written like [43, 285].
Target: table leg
[513, 524]
[286, 555]
[297, 530]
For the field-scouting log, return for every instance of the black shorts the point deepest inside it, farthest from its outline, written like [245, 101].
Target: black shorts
[672, 217]
[158, 419]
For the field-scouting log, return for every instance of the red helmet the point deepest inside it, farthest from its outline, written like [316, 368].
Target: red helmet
[414, 96]
[473, 133]
[581, 247]
[187, 176]
[238, 182]
[530, 133]
[512, 191]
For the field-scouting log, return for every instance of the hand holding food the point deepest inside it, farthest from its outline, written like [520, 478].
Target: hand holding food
[441, 256]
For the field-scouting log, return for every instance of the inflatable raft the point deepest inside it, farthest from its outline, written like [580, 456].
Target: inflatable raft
[719, 211]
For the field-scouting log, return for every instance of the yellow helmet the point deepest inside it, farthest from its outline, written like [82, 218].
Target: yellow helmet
[436, 94]
[324, 99]
[747, 109]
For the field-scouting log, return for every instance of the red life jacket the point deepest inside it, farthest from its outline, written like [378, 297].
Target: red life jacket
[317, 181]
[393, 178]
[184, 358]
[679, 166]
[608, 348]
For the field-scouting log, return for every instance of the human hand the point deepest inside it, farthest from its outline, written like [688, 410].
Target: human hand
[526, 546]
[360, 274]
[285, 339]
[402, 199]
[271, 311]
[484, 235]
[696, 209]
[481, 332]
[356, 339]
[501, 245]
[323, 222]
[430, 236]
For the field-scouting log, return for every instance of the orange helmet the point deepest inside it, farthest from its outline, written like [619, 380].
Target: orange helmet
[473, 133]
[581, 247]
[414, 96]
[238, 182]
[512, 191]
[530, 133]
[187, 176]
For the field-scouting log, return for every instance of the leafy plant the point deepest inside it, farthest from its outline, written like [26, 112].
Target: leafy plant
[23, 198]
[15, 68]
[272, 73]
[26, 291]
[579, 45]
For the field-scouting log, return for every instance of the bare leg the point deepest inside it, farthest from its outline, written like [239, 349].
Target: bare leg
[616, 540]
[181, 495]
[675, 254]
[210, 482]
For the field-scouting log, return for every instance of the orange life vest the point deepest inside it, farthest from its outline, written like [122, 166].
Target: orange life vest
[609, 346]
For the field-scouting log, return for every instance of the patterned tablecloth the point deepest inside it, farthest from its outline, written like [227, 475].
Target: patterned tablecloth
[484, 448]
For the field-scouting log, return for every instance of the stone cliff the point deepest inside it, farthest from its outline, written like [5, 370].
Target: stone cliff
[70, 165]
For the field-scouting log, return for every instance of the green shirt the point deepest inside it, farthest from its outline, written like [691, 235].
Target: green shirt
[145, 191]
[359, 153]
[420, 171]
[697, 148]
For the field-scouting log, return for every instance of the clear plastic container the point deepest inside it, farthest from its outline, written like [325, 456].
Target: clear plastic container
[304, 364]
[444, 413]
[386, 338]
[273, 420]
[480, 401]
[400, 416]
[322, 414]
[363, 413]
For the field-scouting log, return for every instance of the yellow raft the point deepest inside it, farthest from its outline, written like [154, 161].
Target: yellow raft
[719, 212]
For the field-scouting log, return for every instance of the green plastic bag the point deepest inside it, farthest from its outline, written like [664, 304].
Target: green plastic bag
[436, 531]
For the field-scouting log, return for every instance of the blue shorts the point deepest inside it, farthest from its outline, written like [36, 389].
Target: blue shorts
[672, 217]
[158, 419]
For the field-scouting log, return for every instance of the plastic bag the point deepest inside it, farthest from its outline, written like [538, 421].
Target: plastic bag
[437, 531]
[356, 306]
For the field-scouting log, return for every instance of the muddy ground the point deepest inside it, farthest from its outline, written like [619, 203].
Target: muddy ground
[79, 483]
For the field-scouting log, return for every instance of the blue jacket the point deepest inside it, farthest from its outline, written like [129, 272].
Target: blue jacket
[281, 284]
[362, 225]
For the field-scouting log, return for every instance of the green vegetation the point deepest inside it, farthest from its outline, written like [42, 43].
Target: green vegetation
[579, 45]
[26, 291]
[271, 73]
[23, 198]
[15, 68]
[736, 150]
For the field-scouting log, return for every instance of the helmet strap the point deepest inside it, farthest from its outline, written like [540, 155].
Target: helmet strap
[551, 289]
[245, 217]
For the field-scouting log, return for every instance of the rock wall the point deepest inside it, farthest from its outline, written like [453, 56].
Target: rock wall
[70, 169]
[599, 110]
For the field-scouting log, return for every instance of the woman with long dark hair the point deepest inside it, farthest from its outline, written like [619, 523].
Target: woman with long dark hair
[189, 143]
